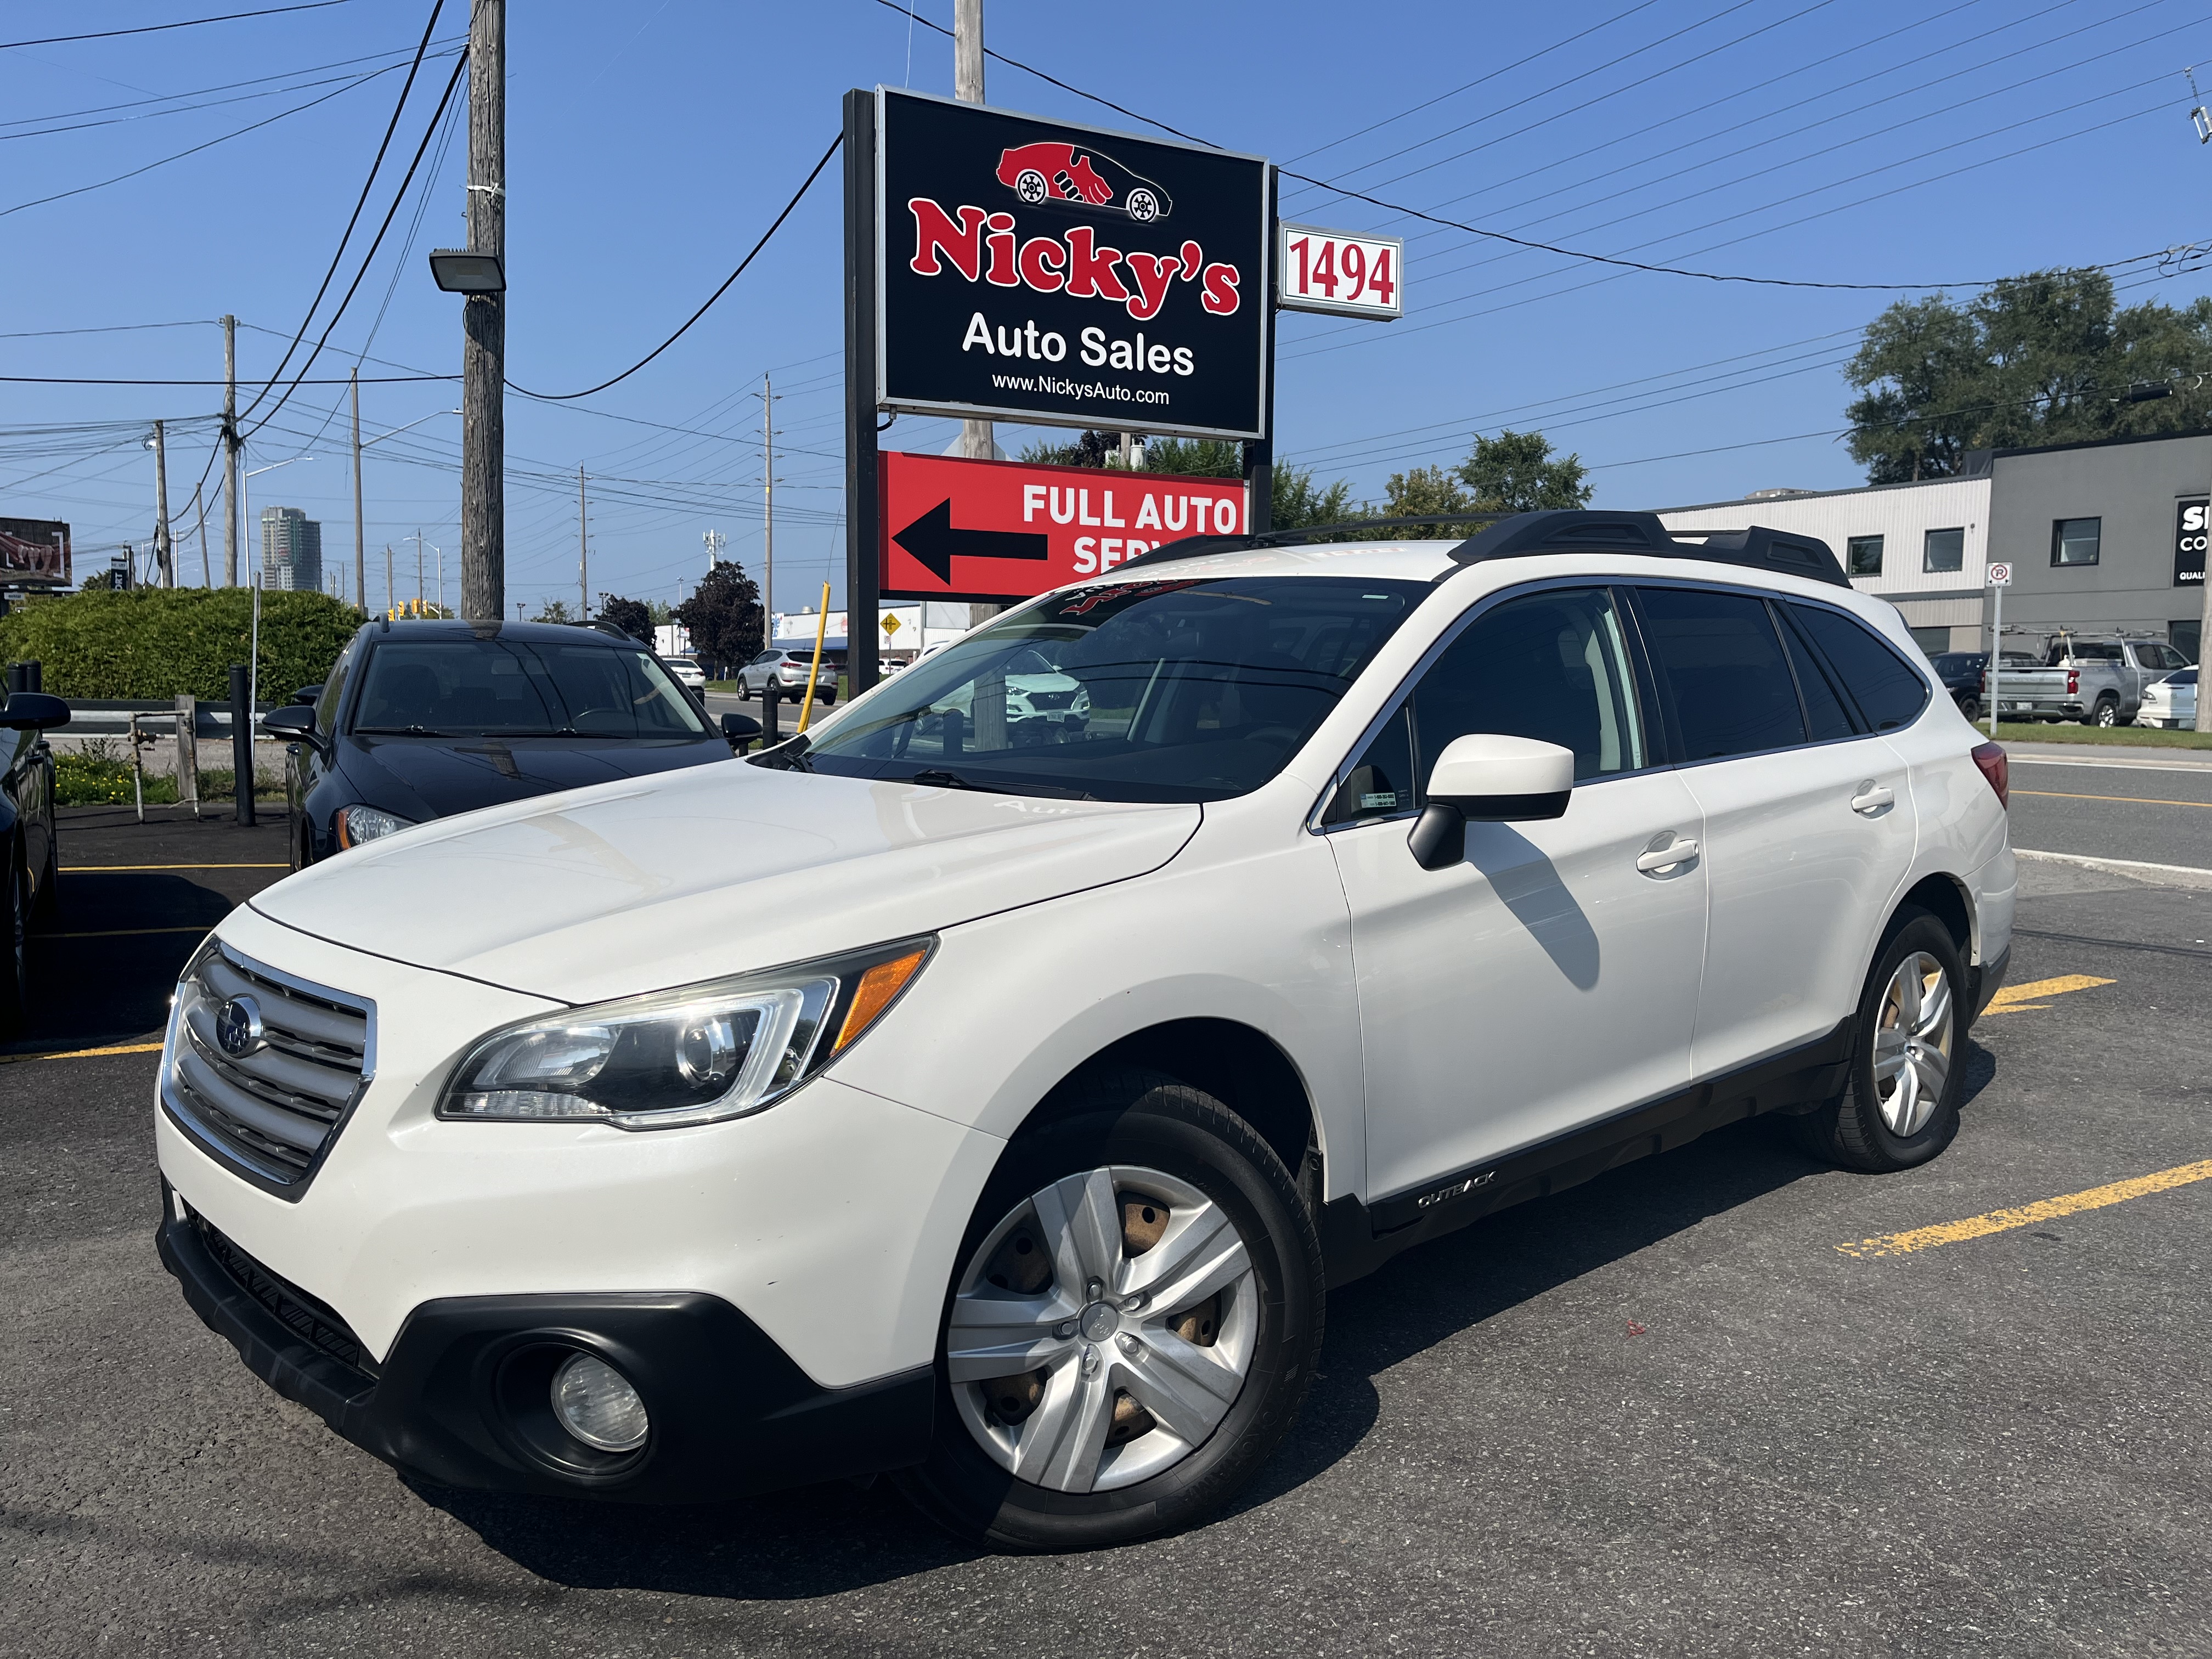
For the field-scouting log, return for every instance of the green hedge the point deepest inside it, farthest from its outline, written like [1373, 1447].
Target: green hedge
[153, 643]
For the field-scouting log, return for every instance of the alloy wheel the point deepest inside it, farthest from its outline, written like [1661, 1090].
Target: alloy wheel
[1913, 1044]
[1102, 1329]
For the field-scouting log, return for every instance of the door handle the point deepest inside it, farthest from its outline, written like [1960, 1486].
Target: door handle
[1872, 798]
[1666, 857]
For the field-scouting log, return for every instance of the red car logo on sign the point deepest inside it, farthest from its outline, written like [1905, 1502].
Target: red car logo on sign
[1043, 173]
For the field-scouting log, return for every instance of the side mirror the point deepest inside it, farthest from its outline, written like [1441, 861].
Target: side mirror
[294, 720]
[740, 730]
[34, 711]
[309, 694]
[1488, 778]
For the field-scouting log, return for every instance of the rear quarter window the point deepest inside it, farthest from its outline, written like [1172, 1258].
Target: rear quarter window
[1889, 692]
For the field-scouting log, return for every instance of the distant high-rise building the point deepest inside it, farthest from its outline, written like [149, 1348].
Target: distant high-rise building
[291, 550]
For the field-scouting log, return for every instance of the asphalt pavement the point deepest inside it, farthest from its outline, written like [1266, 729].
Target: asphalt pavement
[2153, 805]
[1725, 1402]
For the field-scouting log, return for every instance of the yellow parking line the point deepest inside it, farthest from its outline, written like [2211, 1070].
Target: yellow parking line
[88, 1053]
[2050, 1209]
[2133, 800]
[98, 869]
[2014, 999]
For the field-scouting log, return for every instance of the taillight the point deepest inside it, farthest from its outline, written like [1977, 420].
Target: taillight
[2073, 681]
[1990, 757]
[1985, 682]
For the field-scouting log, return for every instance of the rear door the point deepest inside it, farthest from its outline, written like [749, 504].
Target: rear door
[1808, 817]
[1551, 979]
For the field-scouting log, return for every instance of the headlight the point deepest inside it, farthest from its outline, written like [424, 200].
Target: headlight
[356, 825]
[697, 1055]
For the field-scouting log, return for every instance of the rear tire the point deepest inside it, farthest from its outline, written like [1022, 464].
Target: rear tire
[2106, 712]
[1224, 1376]
[1908, 1057]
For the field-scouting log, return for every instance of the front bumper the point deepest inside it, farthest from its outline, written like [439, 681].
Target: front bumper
[460, 1398]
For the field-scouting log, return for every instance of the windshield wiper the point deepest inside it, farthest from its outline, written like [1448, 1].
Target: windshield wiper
[398, 731]
[937, 777]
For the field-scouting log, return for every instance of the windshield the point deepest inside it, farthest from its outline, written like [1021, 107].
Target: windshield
[1147, 691]
[510, 688]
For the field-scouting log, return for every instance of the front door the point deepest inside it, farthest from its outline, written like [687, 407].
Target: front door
[1808, 812]
[1551, 978]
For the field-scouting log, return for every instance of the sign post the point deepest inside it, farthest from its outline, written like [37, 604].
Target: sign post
[861, 506]
[2000, 577]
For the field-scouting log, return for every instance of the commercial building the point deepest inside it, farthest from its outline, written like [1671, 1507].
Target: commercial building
[291, 550]
[2106, 536]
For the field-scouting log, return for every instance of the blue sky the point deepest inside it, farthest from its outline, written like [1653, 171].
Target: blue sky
[649, 143]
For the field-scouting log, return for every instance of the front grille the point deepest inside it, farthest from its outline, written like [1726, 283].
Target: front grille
[270, 1110]
[300, 1312]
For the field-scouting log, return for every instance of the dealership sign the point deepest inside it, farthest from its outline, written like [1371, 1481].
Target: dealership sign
[1045, 272]
[34, 552]
[2189, 529]
[1340, 272]
[1001, 530]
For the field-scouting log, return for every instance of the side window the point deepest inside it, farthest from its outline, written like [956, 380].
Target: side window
[1722, 660]
[1825, 718]
[1551, 667]
[1888, 693]
[326, 706]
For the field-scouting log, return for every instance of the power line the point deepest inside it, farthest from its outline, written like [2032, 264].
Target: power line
[156, 29]
[361, 201]
[565, 397]
[63, 196]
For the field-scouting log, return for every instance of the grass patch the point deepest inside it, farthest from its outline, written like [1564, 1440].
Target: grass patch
[99, 774]
[2120, 737]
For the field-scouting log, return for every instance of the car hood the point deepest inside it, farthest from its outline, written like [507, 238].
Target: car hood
[434, 778]
[668, 880]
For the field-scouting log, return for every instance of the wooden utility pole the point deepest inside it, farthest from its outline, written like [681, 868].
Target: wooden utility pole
[391, 592]
[483, 351]
[230, 447]
[164, 553]
[768, 523]
[583, 552]
[360, 548]
[207, 576]
[976, 441]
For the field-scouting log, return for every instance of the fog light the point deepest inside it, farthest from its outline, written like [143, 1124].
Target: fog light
[595, 1402]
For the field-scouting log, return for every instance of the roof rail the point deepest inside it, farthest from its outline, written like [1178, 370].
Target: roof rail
[1516, 535]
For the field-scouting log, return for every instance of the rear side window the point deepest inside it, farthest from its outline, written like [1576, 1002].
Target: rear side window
[1888, 692]
[1824, 713]
[1723, 661]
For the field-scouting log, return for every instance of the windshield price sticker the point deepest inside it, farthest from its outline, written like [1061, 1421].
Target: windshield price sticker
[1066, 275]
[1337, 272]
[1006, 530]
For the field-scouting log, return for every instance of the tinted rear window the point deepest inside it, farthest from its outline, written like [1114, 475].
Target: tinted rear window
[1732, 691]
[1888, 692]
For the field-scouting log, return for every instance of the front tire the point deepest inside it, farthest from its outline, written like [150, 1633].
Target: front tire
[1136, 1317]
[1908, 1072]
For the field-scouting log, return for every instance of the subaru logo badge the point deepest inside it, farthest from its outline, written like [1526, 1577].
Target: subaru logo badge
[238, 1027]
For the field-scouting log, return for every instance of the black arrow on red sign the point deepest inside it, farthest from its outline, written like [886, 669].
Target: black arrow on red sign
[935, 544]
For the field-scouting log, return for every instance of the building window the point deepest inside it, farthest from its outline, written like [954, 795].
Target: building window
[1944, 550]
[1866, 555]
[2075, 541]
[1932, 640]
[2186, 636]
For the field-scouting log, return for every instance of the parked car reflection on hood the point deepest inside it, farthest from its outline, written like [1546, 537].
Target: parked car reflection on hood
[423, 719]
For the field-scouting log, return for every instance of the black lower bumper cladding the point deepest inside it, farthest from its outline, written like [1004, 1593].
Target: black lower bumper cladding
[461, 1399]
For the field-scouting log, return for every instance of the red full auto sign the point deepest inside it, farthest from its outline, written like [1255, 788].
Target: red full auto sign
[1001, 530]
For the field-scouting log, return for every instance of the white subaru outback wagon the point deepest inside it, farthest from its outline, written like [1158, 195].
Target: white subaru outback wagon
[993, 1102]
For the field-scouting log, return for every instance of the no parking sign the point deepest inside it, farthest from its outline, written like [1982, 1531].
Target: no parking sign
[1999, 575]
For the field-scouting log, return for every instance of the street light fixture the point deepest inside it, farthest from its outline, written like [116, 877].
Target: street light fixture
[458, 271]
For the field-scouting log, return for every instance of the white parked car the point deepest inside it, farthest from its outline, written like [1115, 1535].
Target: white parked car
[687, 673]
[995, 1107]
[780, 675]
[2171, 702]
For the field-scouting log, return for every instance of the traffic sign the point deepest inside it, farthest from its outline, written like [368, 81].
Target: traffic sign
[890, 623]
[1999, 575]
[1004, 530]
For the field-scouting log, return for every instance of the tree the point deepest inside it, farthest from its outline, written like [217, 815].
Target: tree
[1086, 449]
[2048, 357]
[724, 615]
[632, 616]
[553, 611]
[1516, 472]
[1295, 503]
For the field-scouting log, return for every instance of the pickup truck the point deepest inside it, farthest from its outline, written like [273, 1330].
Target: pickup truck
[2097, 681]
